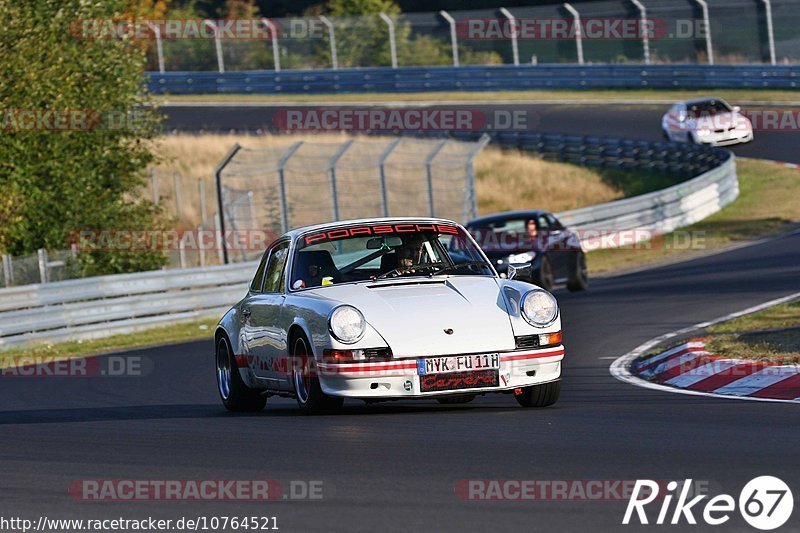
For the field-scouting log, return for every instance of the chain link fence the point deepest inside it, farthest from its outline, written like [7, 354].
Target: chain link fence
[604, 31]
[275, 189]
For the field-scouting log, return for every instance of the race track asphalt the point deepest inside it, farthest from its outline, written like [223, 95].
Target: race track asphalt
[627, 121]
[394, 466]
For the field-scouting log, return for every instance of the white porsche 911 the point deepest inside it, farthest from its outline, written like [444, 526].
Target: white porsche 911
[709, 121]
[378, 309]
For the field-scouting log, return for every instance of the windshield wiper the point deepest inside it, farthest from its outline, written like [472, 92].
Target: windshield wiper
[459, 265]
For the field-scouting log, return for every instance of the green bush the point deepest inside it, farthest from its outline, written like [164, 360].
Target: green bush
[54, 182]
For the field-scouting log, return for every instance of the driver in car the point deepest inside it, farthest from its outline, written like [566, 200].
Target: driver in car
[409, 255]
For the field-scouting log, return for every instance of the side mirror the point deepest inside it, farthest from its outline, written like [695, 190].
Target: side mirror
[520, 272]
[736, 109]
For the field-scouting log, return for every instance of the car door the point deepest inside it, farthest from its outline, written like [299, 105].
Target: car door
[556, 245]
[269, 345]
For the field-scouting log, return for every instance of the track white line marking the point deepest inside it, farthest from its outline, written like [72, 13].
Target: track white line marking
[619, 368]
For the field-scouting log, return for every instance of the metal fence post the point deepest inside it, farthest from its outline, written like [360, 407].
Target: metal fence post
[154, 186]
[707, 23]
[201, 191]
[41, 254]
[453, 35]
[471, 197]
[382, 173]
[644, 30]
[182, 250]
[332, 176]
[282, 184]
[220, 200]
[273, 33]
[578, 30]
[217, 45]
[392, 42]
[512, 21]
[200, 245]
[770, 33]
[429, 174]
[159, 46]
[8, 270]
[221, 251]
[176, 183]
[332, 39]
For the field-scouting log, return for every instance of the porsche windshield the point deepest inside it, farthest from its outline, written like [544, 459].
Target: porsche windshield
[384, 251]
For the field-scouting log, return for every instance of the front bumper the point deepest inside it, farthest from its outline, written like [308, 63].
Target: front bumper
[727, 138]
[399, 378]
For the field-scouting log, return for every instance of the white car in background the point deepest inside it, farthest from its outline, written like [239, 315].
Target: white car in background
[707, 121]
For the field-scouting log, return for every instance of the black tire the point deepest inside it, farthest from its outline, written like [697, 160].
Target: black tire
[665, 135]
[544, 275]
[453, 400]
[235, 395]
[309, 395]
[542, 395]
[579, 280]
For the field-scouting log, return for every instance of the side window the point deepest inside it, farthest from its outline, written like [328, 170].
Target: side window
[544, 224]
[258, 279]
[274, 281]
[554, 223]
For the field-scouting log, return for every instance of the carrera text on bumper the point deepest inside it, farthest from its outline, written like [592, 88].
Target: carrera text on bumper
[407, 378]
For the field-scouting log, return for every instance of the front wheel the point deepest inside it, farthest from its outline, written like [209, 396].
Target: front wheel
[579, 279]
[235, 395]
[545, 278]
[309, 394]
[542, 395]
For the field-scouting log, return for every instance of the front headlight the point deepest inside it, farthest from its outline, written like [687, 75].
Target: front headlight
[525, 257]
[539, 307]
[347, 324]
[703, 132]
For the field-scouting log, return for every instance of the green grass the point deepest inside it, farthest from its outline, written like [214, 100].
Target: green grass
[632, 95]
[781, 316]
[769, 335]
[767, 205]
[179, 332]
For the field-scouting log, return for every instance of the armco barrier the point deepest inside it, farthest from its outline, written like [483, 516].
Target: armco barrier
[98, 307]
[477, 78]
[108, 305]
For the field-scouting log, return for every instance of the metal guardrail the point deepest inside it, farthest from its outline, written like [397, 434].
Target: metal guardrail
[478, 78]
[108, 305]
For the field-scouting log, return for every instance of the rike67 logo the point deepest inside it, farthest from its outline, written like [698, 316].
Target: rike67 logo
[765, 503]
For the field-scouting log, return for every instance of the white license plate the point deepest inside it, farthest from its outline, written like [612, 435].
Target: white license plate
[457, 363]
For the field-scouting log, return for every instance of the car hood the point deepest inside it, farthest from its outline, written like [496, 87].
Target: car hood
[723, 121]
[412, 314]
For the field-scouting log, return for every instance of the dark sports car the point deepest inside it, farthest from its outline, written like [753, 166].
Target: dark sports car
[536, 245]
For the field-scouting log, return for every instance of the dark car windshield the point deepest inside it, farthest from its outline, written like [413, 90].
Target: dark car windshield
[508, 235]
[383, 251]
[708, 108]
